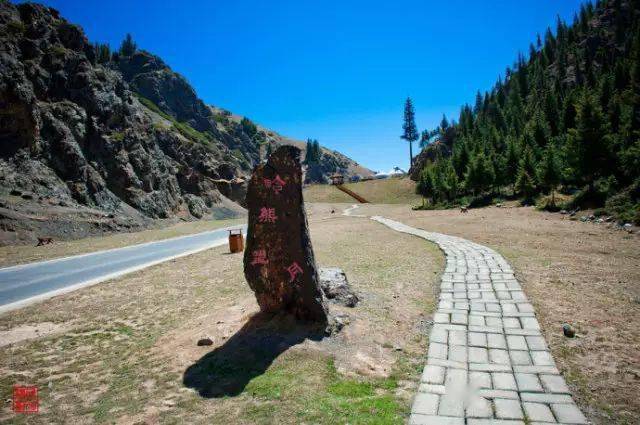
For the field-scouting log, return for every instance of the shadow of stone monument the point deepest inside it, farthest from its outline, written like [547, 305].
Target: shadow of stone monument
[228, 369]
[280, 268]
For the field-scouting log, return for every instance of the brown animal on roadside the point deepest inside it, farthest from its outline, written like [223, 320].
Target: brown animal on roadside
[464, 210]
[44, 241]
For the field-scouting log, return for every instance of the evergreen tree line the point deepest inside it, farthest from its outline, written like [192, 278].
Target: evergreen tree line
[565, 117]
[103, 53]
[313, 153]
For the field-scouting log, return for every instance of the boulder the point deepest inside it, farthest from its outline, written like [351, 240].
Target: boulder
[279, 263]
[335, 286]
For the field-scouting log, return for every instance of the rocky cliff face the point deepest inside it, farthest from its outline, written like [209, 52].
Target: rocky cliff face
[88, 147]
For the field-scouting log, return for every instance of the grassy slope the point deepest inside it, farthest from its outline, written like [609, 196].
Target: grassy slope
[388, 191]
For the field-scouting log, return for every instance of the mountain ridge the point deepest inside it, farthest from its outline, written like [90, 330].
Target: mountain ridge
[94, 142]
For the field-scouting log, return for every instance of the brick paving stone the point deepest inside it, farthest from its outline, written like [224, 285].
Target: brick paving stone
[528, 382]
[568, 414]
[508, 409]
[496, 341]
[476, 320]
[478, 355]
[486, 352]
[438, 350]
[536, 343]
[542, 358]
[457, 353]
[538, 412]
[479, 380]
[520, 357]
[457, 338]
[499, 356]
[504, 381]
[433, 374]
[479, 407]
[478, 339]
[554, 384]
[425, 404]
[516, 342]
[417, 419]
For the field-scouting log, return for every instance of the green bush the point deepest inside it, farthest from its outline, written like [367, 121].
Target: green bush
[59, 50]
[153, 107]
[118, 136]
[626, 205]
[16, 27]
[545, 204]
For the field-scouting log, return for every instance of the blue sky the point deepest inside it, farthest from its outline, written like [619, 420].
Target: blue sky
[338, 71]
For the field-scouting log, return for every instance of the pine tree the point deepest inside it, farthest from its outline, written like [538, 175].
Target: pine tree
[103, 53]
[410, 133]
[549, 171]
[312, 152]
[128, 46]
[425, 183]
[587, 143]
[525, 186]
[480, 174]
[511, 163]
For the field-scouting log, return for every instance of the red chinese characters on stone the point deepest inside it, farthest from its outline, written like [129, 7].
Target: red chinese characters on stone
[259, 257]
[276, 184]
[25, 399]
[267, 215]
[294, 270]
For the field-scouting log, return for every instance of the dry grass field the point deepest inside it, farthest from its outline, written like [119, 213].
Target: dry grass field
[124, 351]
[584, 274]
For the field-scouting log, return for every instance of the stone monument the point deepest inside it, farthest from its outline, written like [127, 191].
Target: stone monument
[279, 264]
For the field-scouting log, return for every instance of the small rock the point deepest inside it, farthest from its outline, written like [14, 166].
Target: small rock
[591, 217]
[336, 323]
[204, 341]
[584, 218]
[563, 212]
[568, 330]
[335, 286]
[627, 226]
[397, 348]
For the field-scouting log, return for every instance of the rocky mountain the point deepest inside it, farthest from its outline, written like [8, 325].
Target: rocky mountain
[93, 143]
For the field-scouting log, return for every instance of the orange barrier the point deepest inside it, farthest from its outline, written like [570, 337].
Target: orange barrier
[352, 194]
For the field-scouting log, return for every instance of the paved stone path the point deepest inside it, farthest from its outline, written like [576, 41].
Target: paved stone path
[487, 362]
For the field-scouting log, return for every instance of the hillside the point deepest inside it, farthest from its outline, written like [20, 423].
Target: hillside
[393, 190]
[94, 141]
[566, 117]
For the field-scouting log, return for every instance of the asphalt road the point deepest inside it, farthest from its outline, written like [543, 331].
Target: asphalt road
[24, 284]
